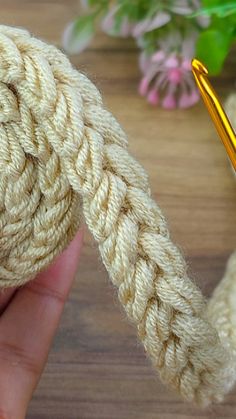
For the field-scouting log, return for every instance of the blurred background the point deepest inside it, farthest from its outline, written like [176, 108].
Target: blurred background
[97, 369]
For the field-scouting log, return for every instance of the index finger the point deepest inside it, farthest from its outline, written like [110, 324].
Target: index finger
[27, 328]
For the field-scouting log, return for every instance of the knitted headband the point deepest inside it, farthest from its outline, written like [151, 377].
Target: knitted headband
[62, 151]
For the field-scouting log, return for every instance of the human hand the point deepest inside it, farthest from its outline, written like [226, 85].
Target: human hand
[29, 318]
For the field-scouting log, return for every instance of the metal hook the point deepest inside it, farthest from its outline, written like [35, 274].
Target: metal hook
[215, 109]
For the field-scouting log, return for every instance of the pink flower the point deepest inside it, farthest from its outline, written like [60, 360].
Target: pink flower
[167, 77]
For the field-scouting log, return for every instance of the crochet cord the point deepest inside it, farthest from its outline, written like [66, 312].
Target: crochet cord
[60, 148]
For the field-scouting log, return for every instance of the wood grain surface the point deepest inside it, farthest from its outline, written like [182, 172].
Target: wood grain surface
[96, 368]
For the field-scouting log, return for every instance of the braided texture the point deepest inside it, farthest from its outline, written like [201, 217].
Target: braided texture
[61, 151]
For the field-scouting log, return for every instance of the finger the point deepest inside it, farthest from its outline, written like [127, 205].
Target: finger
[28, 326]
[5, 297]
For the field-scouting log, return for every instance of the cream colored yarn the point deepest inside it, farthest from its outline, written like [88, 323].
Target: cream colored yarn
[59, 148]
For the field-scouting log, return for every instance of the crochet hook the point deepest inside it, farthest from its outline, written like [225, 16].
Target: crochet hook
[215, 110]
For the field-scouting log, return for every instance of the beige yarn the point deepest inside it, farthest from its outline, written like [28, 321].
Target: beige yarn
[59, 148]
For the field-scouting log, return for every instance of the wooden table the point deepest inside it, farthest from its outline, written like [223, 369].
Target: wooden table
[96, 369]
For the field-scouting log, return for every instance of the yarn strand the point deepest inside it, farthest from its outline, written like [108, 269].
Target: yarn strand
[61, 149]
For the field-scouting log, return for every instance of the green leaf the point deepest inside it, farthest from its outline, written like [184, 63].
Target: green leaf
[219, 10]
[78, 34]
[212, 3]
[136, 10]
[212, 48]
[98, 3]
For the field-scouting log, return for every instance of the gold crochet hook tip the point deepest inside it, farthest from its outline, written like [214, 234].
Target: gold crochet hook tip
[215, 109]
[198, 67]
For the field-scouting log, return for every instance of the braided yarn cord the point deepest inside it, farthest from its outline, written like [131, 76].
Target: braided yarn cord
[61, 151]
